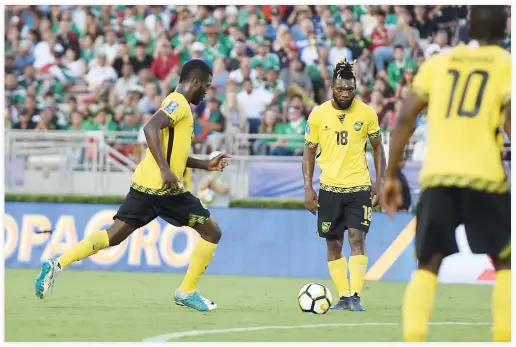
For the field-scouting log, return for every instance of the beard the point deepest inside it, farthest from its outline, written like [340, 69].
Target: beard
[198, 96]
[343, 105]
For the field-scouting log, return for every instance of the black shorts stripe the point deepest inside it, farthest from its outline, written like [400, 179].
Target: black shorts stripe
[170, 144]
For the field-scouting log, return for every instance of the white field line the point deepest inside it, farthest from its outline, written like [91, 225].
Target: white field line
[181, 334]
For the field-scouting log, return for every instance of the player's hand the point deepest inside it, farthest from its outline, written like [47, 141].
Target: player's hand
[391, 198]
[311, 202]
[218, 163]
[170, 180]
[375, 194]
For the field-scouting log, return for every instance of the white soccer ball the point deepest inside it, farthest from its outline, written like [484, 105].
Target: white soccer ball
[314, 298]
[206, 196]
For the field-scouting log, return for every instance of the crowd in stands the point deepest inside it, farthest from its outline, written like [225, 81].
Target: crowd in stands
[109, 67]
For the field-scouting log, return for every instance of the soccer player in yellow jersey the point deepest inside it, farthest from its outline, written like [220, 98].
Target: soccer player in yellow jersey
[467, 91]
[156, 190]
[340, 128]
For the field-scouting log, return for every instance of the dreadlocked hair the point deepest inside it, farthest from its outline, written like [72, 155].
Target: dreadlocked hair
[344, 70]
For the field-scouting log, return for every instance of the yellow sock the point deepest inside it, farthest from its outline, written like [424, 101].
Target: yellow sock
[418, 304]
[357, 271]
[201, 257]
[90, 245]
[339, 274]
[501, 307]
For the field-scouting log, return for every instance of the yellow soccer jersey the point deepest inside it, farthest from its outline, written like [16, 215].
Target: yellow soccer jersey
[465, 89]
[176, 141]
[342, 137]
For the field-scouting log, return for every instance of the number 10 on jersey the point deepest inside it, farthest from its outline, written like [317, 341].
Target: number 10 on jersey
[474, 109]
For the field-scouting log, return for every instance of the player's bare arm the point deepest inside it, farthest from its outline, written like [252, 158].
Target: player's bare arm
[507, 124]
[218, 163]
[152, 131]
[392, 198]
[308, 174]
[379, 165]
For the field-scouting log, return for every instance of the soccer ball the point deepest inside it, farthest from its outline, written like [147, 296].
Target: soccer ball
[314, 298]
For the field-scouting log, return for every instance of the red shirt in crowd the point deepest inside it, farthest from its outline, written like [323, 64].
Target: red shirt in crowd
[378, 37]
[162, 65]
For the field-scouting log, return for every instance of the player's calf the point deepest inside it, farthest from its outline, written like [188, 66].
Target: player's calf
[357, 266]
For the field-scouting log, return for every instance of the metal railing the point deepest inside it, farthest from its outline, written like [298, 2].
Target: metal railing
[85, 162]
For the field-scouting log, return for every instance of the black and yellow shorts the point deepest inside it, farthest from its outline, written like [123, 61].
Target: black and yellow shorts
[486, 218]
[343, 208]
[184, 209]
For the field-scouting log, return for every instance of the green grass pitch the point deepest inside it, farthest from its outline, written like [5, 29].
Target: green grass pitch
[114, 306]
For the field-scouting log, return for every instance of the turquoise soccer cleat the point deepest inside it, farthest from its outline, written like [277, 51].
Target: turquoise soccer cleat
[194, 300]
[47, 277]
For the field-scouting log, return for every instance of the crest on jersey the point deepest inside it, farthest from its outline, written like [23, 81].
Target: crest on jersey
[358, 125]
[325, 227]
[307, 128]
[171, 107]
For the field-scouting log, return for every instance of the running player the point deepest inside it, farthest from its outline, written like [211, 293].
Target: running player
[467, 91]
[156, 190]
[340, 127]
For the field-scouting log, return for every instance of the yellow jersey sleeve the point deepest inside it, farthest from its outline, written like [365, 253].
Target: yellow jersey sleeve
[422, 83]
[312, 130]
[172, 109]
[373, 126]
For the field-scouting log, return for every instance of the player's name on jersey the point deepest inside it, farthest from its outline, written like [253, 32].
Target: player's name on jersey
[151, 244]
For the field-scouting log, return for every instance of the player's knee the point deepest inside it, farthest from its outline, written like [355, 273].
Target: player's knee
[334, 249]
[210, 231]
[431, 263]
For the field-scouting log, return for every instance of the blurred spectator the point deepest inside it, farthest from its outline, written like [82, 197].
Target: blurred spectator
[426, 26]
[212, 123]
[146, 104]
[24, 57]
[440, 44]
[402, 35]
[396, 68]
[127, 80]
[100, 72]
[298, 80]
[295, 126]
[379, 33]
[269, 124]
[252, 102]
[165, 62]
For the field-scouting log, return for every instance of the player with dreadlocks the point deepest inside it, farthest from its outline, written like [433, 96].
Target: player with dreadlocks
[341, 127]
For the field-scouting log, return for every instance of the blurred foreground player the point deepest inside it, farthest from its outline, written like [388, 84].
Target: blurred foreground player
[467, 91]
[156, 190]
[341, 127]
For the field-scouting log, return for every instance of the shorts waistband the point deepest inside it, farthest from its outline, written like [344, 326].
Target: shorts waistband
[160, 192]
[333, 189]
[478, 184]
